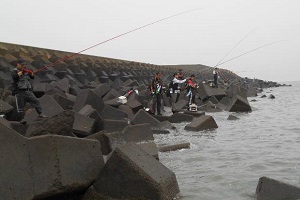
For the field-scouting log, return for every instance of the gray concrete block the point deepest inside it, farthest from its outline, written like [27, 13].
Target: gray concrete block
[174, 147]
[83, 126]
[64, 102]
[232, 117]
[50, 108]
[15, 177]
[87, 96]
[127, 109]
[180, 117]
[60, 124]
[239, 104]
[63, 84]
[102, 137]
[271, 189]
[110, 112]
[135, 105]
[138, 133]
[131, 173]
[150, 148]
[114, 125]
[65, 164]
[5, 107]
[202, 123]
[142, 117]
[102, 89]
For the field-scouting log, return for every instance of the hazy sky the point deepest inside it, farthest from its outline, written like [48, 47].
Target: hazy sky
[204, 36]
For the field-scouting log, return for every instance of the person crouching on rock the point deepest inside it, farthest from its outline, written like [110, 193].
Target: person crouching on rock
[156, 92]
[23, 91]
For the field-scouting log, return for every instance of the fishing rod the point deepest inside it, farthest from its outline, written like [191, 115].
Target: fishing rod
[250, 51]
[236, 46]
[115, 37]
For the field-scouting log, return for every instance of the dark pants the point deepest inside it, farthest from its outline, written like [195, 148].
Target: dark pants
[216, 79]
[24, 97]
[156, 103]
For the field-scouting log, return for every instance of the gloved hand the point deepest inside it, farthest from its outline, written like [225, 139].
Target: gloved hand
[25, 70]
[20, 73]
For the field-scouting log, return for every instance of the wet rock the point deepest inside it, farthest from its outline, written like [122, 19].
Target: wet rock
[271, 96]
[240, 104]
[150, 148]
[82, 126]
[270, 189]
[174, 147]
[180, 117]
[114, 125]
[87, 96]
[135, 105]
[44, 166]
[202, 123]
[141, 176]
[232, 117]
[102, 89]
[110, 112]
[5, 107]
[263, 96]
[142, 117]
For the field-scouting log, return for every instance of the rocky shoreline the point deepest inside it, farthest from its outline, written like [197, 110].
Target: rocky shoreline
[94, 146]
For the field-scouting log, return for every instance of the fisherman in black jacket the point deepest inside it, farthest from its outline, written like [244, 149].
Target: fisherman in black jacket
[23, 91]
[156, 92]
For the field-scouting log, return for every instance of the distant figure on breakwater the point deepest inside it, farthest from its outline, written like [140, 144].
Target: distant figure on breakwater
[156, 92]
[216, 76]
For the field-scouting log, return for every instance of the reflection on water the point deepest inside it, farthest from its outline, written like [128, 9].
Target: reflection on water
[226, 163]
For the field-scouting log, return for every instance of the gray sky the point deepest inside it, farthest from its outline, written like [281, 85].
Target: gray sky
[204, 36]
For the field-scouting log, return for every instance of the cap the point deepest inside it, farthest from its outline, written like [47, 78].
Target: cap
[21, 62]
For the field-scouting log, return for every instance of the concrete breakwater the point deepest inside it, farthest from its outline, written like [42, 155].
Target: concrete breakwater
[92, 146]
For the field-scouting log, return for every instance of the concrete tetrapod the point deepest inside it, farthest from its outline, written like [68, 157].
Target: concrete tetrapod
[44, 166]
[131, 173]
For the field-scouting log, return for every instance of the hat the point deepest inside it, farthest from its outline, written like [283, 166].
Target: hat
[21, 62]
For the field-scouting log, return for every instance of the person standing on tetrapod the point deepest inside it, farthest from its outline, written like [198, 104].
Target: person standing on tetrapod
[156, 92]
[180, 86]
[216, 76]
[191, 90]
[174, 90]
[23, 91]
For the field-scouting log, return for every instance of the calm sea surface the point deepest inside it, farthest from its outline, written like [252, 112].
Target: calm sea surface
[226, 163]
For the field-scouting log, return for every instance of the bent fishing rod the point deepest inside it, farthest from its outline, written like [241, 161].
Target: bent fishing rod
[249, 52]
[115, 37]
[236, 46]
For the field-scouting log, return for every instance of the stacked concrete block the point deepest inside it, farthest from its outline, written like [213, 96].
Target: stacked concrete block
[110, 112]
[83, 126]
[140, 177]
[88, 96]
[142, 117]
[271, 189]
[202, 123]
[44, 166]
[50, 108]
[239, 104]
[174, 147]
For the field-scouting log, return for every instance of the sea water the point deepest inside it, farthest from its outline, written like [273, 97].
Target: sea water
[226, 163]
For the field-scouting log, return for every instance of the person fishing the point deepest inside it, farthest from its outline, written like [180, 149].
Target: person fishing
[22, 90]
[174, 90]
[215, 76]
[180, 86]
[191, 90]
[156, 92]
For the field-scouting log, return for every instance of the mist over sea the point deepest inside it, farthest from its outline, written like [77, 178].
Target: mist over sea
[226, 163]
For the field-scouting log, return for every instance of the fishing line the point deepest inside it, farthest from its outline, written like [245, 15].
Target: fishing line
[236, 46]
[250, 51]
[115, 37]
